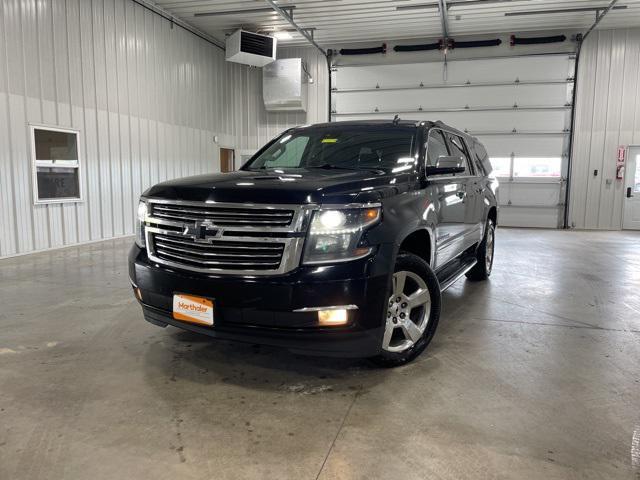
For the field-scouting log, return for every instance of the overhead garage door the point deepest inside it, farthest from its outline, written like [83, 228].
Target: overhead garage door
[518, 107]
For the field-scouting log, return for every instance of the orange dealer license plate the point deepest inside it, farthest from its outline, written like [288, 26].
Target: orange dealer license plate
[193, 309]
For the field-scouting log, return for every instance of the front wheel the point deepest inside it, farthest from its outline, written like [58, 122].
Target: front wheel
[413, 311]
[484, 255]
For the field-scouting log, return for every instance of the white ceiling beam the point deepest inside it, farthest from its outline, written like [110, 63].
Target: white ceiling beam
[289, 18]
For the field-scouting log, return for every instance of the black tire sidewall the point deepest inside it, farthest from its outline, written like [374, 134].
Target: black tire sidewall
[480, 272]
[415, 264]
[490, 226]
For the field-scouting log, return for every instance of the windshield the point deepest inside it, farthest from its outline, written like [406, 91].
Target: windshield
[353, 148]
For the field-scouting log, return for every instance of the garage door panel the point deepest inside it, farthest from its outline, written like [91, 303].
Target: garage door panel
[483, 121]
[530, 139]
[529, 194]
[523, 68]
[523, 145]
[485, 70]
[505, 121]
[432, 98]
[528, 217]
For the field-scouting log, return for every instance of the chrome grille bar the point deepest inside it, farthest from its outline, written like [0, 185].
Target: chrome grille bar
[224, 221]
[164, 246]
[223, 216]
[220, 245]
[162, 208]
[217, 238]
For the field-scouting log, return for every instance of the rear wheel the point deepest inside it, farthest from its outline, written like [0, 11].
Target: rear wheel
[484, 255]
[413, 311]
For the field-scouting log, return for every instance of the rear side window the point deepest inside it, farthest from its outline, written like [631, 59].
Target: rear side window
[458, 149]
[483, 166]
[436, 147]
[476, 155]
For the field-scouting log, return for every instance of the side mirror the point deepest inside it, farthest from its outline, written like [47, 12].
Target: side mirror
[447, 166]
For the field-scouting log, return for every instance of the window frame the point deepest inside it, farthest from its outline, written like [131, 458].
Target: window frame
[35, 163]
[470, 170]
[426, 144]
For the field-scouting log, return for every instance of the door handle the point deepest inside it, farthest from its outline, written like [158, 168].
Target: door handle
[629, 195]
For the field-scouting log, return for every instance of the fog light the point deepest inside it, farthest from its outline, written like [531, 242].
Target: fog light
[331, 318]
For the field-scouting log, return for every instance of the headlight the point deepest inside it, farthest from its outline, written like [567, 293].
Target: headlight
[335, 234]
[140, 219]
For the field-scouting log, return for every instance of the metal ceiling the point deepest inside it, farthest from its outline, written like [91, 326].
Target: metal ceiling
[337, 22]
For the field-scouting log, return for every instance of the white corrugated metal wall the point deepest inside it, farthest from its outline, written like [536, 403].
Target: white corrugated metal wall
[607, 115]
[147, 99]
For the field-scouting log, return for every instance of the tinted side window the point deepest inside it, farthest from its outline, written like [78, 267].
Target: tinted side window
[436, 147]
[482, 160]
[457, 149]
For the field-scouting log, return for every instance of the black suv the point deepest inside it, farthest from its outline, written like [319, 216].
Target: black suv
[334, 239]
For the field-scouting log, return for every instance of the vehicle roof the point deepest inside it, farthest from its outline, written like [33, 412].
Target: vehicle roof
[368, 123]
[388, 123]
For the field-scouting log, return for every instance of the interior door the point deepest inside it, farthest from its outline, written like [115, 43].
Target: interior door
[631, 219]
[227, 156]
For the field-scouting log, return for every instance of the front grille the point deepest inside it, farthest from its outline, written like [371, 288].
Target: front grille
[226, 238]
[218, 255]
[223, 216]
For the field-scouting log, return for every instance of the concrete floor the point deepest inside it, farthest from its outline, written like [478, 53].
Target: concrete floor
[534, 374]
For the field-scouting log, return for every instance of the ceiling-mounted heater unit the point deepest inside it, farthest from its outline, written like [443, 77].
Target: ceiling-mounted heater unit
[250, 48]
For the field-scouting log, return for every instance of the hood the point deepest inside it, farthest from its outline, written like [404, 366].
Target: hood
[296, 186]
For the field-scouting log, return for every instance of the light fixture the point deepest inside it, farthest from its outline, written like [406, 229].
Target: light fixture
[282, 35]
[332, 219]
[331, 318]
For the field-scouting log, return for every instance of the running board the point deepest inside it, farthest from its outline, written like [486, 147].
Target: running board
[450, 280]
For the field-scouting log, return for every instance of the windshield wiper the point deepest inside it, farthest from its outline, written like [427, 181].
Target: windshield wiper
[330, 166]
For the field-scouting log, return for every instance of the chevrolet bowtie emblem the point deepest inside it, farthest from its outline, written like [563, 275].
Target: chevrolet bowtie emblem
[202, 232]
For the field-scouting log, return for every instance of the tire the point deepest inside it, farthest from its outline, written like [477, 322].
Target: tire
[484, 254]
[412, 319]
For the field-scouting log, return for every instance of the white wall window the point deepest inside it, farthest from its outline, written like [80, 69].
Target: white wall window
[56, 164]
[527, 166]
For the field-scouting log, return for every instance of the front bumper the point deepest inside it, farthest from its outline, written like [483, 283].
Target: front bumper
[261, 309]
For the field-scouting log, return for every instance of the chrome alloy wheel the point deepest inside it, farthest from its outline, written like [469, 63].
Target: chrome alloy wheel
[490, 245]
[408, 312]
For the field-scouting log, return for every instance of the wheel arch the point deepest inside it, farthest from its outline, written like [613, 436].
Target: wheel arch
[418, 241]
[492, 214]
